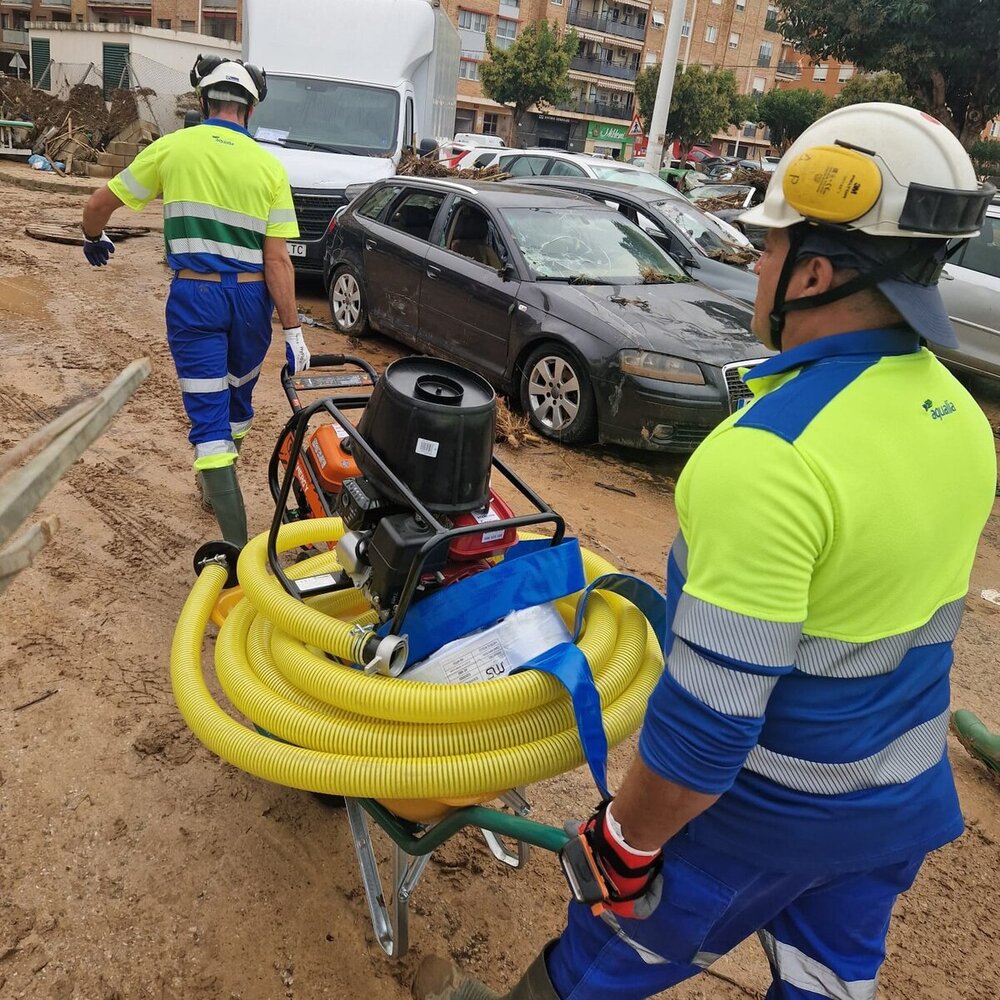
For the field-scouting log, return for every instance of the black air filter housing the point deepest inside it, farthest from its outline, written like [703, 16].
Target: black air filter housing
[433, 423]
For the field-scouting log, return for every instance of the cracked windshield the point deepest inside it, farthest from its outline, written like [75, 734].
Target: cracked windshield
[588, 248]
[327, 115]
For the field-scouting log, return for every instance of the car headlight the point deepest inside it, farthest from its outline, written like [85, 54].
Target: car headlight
[664, 367]
[353, 190]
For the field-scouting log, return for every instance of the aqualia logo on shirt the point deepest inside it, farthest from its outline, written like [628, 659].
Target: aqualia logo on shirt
[940, 411]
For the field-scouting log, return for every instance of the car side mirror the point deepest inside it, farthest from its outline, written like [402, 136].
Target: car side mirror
[427, 146]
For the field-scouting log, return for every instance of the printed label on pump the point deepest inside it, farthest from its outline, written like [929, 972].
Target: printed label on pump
[495, 651]
[484, 517]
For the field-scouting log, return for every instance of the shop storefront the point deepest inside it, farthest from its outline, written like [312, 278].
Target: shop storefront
[613, 141]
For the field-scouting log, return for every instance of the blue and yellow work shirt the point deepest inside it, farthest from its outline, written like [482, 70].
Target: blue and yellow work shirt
[827, 534]
[222, 195]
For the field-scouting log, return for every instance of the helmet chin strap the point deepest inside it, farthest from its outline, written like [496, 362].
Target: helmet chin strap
[913, 261]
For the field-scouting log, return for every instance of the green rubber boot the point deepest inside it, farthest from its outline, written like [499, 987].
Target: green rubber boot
[976, 738]
[222, 491]
[438, 979]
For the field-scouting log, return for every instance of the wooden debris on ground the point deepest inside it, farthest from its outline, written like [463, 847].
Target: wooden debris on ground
[411, 165]
[513, 428]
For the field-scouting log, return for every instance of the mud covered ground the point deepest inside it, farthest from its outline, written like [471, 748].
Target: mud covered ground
[134, 865]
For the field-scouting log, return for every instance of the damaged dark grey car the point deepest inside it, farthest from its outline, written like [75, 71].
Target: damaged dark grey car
[562, 303]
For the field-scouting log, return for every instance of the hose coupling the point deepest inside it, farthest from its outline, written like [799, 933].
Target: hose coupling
[387, 655]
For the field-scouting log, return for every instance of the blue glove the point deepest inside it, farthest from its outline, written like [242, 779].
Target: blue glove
[97, 251]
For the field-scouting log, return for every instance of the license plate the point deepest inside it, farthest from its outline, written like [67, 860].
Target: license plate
[296, 249]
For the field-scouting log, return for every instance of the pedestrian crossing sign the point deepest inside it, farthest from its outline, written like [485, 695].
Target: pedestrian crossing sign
[635, 129]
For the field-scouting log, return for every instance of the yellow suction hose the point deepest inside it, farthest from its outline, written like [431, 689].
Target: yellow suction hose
[346, 732]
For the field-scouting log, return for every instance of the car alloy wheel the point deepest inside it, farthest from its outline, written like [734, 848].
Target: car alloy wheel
[347, 301]
[557, 394]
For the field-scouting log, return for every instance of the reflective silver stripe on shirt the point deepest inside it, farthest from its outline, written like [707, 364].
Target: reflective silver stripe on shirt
[244, 254]
[725, 689]
[135, 188]
[237, 380]
[836, 658]
[797, 969]
[736, 636]
[904, 759]
[204, 384]
[199, 210]
[208, 448]
[679, 550]
[279, 215]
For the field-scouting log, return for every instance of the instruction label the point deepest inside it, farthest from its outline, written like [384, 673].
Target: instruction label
[496, 651]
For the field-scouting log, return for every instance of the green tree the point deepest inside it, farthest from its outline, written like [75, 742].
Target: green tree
[946, 51]
[534, 70]
[704, 101]
[788, 113]
[882, 86]
[985, 155]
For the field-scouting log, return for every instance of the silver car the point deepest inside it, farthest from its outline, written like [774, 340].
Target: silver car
[970, 287]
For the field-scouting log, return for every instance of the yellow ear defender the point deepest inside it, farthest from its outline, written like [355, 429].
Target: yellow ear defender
[832, 183]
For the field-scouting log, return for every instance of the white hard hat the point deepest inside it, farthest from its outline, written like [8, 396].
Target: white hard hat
[226, 80]
[880, 169]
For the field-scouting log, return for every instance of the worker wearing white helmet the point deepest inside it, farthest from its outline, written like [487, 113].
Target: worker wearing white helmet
[227, 212]
[792, 772]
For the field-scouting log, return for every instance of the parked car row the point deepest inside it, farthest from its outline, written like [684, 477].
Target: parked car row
[579, 314]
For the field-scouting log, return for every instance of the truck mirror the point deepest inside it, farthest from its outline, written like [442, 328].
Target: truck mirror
[427, 146]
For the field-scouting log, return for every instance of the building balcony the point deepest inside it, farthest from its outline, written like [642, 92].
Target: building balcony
[607, 25]
[599, 109]
[789, 71]
[15, 36]
[219, 6]
[586, 64]
[17, 3]
[61, 4]
[124, 5]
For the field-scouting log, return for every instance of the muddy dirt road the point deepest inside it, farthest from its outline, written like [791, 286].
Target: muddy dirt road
[135, 866]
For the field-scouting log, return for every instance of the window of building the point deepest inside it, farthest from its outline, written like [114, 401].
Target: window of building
[556, 3]
[163, 22]
[187, 25]
[490, 123]
[651, 58]
[759, 83]
[844, 74]
[741, 5]
[749, 130]
[711, 34]
[995, 130]
[771, 18]
[717, 2]
[220, 27]
[734, 39]
[764, 56]
[468, 69]
[686, 29]
[658, 18]
[472, 21]
[41, 19]
[820, 71]
[506, 32]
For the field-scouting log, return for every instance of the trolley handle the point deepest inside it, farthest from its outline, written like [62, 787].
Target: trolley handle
[323, 361]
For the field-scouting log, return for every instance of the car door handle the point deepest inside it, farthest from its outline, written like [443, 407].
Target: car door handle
[433, 271]
[370, 244]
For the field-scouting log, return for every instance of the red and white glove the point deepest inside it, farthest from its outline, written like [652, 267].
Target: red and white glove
[632, 877]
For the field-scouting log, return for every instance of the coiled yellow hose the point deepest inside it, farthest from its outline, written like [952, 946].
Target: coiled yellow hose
[350, 733]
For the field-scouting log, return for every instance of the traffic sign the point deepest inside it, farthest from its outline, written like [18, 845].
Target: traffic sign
[17, 62]
[635, 129]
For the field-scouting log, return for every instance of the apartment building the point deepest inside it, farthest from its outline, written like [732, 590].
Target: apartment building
[219, 18]
[597, 115]
[796, 70]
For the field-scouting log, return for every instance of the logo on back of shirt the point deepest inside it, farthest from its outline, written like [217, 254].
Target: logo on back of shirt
[940, 411]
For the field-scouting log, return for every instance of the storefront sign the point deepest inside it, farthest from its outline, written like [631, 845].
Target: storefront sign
[603, 132]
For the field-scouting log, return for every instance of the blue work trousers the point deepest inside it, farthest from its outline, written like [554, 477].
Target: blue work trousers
[218, 333]
[824, 936]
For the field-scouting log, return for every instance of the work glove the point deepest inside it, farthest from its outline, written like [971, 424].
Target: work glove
[633, 878]
[296, 353]
[97, 251]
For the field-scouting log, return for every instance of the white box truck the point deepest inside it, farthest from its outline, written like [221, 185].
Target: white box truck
[350, 85]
